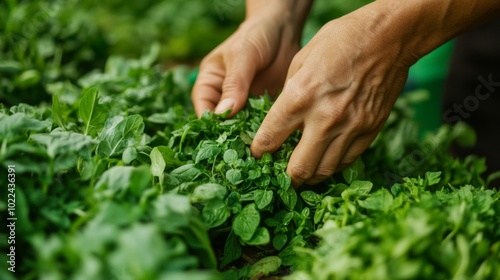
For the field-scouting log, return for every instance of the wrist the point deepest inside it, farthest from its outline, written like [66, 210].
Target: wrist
[414, 28]
[289, 13]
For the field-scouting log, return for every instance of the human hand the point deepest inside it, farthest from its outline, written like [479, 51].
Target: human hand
[339, 91]
[254, 59]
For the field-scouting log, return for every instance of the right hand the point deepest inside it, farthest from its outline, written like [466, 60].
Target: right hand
[254, 59]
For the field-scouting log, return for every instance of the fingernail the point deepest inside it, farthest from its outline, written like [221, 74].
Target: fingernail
[224, 105]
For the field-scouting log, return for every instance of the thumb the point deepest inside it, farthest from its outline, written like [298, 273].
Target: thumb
[239, 76]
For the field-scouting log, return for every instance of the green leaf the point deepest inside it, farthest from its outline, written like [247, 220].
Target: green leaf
[234, 176]
[381, 201]
[263, 198]
[57, 114]
[253, 174]
[120, 180]
[27, 78]
[257, 104]
[232, 250]
[284, 180]
[361, 187]
[432, 178]
[355, 171]
[151, 56]
[267, 170]
[157, 162]
[246, 138]
[129, 155]
[311, 197]
[230, 156]
[266, 159]
[289, 197]
[91, 112]
[208, 152]
[150, 246]
[260, 237]
[318, 215]
[263, 181]
[168, 156]
[279, 241]
[186, 173]
[265, 266]
[215, 213]
[14, 125]
[207, 192]
[246, 222]
[119, 134]
[172, 211]
[288, 255]
[63, 142]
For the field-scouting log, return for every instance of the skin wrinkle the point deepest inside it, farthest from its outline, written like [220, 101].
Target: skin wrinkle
[275, 55]
[265, 78]
[266, 140]
[329, 163]
[302, 169]
[258, 46]
[300, 94]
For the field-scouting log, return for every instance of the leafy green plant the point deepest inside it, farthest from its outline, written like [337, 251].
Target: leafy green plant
[117, 179]
[113, 167]
[408, 232]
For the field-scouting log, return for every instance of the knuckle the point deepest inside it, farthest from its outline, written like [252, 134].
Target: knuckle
[360, 122]
[329, 119]
[297, 95]
[206, 61]
[232, 84]
[300, 173]
[324, 172]
[265, 141]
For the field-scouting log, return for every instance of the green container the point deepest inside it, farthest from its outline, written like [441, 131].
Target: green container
[429, 74]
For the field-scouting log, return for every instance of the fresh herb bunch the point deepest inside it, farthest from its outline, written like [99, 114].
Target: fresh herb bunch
[250, 199]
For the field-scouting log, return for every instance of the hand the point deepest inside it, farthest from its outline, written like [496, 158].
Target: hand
[255, 58]
[339, 91]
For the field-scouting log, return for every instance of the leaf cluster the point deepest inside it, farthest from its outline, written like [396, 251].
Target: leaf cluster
[116, 177]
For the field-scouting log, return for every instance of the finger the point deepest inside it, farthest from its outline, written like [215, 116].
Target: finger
[333, 161]
[275, 129]
[207, 89]
[357, 148]
[331, 158]
[307, 155]
[239, 76]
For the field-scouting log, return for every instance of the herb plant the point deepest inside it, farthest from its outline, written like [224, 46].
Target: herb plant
[117, 179]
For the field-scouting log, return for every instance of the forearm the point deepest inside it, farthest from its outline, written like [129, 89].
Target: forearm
[418, 27]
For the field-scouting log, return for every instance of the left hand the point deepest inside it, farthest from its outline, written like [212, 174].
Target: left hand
[339, 91]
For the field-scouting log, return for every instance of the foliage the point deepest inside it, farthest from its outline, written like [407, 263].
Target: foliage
[117, 179]
[159, 192]
[408, 232]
